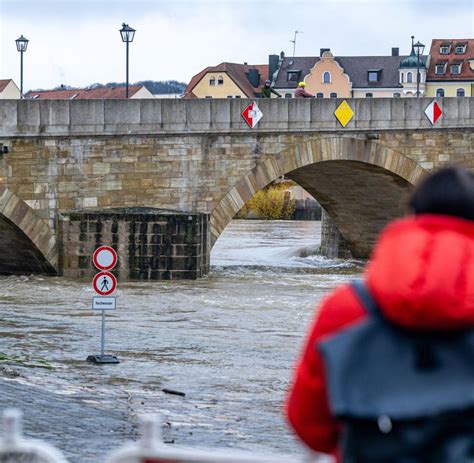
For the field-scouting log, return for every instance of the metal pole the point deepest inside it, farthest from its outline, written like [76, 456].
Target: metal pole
[418, 74]
[21, 74]
[102, 341]
[127, 73]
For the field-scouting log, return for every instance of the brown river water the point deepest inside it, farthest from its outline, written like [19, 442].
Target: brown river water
[228, 341]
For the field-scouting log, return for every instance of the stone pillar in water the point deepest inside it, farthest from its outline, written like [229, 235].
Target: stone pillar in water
[333, 245]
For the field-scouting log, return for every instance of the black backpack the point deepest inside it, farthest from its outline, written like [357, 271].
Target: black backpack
[401, 396]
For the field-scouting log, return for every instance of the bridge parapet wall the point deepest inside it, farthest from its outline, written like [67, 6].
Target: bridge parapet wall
[125, 117]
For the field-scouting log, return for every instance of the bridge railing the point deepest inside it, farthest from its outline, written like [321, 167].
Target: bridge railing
[14, 448]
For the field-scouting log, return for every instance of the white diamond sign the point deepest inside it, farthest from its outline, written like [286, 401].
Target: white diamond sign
[433, 112]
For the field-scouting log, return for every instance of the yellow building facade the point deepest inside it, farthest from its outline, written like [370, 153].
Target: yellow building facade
[217, 85]
[449, 89]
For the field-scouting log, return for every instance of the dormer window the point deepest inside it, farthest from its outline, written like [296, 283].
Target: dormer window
[293, 76]
[373, 75]
[455, 68]
[212, 80]
[460, 48]
[445, 48]
[440, 67]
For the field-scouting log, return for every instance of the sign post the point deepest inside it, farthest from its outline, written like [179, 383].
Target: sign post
[104, 284]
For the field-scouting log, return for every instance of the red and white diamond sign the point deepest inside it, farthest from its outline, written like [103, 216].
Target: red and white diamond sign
[252, 114]
[433, 112]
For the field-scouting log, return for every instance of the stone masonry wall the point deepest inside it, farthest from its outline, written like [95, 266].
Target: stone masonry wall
[151, 244]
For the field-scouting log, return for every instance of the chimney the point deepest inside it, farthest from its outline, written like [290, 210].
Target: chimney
[395, 51]
[254, 77]
[272, 65]
[322, 50]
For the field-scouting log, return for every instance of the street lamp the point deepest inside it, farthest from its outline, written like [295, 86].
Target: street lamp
[127, 34]
[21, 46]
[419, 49]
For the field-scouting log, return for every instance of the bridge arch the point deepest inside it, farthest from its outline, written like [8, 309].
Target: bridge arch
[360, 183]
[28, 245]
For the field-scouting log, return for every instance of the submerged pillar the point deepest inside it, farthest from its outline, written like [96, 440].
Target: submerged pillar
[152, 244]
[333, 244]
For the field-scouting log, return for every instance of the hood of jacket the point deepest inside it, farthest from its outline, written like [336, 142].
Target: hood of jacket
[422, 272]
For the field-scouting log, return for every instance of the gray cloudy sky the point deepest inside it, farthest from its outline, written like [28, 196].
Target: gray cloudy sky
[76, 42]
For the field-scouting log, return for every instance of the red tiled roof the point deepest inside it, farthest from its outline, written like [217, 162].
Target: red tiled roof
[85, 93]
[4, 83]
[237, 72]
[467, 74]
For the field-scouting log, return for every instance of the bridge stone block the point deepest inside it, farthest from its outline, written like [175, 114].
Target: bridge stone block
[199, 115]
[120, 112]
[89, 114]
[275, 114]
[150, 112]
[220, 114]
[415, 112]
[174, 115]
[54, 116]
[299, 114]
[322, 114]
[29, 116]
[8, 116]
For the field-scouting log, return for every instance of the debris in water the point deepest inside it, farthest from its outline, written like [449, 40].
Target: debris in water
[171, 391]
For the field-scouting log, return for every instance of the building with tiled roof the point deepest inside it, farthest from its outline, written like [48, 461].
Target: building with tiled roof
[103, 93]
[451, 69]
[9, 90]
[228, 80]
[329, 76]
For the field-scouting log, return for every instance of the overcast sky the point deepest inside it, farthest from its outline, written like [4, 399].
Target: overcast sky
[76, 42]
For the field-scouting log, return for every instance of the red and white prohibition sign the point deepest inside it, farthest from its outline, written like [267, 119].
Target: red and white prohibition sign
[433, 112]
[252, 114]
[104, 283]
[104, 258]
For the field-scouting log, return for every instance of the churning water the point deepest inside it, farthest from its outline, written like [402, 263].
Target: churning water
[228, 341]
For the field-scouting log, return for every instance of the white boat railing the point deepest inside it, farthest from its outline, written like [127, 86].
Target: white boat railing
[14, 448]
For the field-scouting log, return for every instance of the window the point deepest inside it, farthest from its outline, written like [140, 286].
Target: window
[445, 49]
[208, 97]
[238, 96]
[460, 48]
[74, 96]
[230, 96]
[293, 76]
[460, 92]
[455, 69]
[409, 77]
[401, 77]
[319, 95]
[397, 95]
[369, 95]
[373, 75]
[327, 78]
[212, 80]
[440, 93]
[220, 80]
[439, 68]
[333, 95]
[288, 95]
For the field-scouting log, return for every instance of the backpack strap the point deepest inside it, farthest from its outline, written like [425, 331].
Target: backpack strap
[364, 296]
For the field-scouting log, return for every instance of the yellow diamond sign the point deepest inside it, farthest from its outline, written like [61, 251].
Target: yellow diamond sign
[344, 113]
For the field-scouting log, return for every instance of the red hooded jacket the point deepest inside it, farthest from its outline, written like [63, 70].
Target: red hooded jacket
[421, 275]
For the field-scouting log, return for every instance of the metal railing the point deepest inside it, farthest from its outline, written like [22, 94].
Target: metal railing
[14, 448]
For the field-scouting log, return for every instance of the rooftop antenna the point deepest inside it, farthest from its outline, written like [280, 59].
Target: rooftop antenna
[294, 41]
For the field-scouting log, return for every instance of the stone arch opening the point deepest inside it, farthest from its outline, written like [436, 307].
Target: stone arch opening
[360, 183]
[28, 245]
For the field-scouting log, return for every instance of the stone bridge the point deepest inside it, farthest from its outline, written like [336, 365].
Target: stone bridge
[200, 156]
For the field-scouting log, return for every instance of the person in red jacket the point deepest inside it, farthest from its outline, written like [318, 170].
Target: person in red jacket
[421, 275]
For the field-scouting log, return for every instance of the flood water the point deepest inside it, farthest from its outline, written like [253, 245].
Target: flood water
[228, 341]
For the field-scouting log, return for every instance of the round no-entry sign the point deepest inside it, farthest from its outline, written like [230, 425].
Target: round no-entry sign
[104, 283]
[104, 258]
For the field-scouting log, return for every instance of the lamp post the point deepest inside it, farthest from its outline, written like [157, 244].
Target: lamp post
[21, 46]
[127, 34]
[419, 49]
